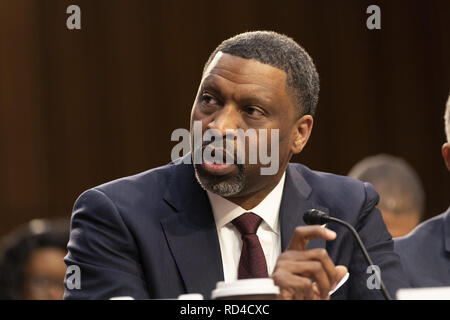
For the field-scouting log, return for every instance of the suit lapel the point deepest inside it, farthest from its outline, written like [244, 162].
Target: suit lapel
[191, 232]
[295, 201]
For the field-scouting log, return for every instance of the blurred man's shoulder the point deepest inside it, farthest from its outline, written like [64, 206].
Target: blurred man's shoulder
[424, 252]
[428, 231]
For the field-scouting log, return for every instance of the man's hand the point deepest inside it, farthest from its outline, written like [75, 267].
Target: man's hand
[307, 274]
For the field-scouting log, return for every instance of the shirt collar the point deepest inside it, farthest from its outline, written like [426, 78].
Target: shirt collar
[226, 211]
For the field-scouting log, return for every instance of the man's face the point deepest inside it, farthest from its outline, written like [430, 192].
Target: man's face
[400, 225]
[446, 154]
[44, 274]
[237, 93]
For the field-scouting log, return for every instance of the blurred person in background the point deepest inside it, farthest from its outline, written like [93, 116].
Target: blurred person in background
[425, 252]
[402, 197]
[31, 261]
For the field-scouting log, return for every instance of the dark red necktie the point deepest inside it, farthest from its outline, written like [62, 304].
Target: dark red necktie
[252, 263]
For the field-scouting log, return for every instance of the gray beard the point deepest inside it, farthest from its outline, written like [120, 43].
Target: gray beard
[228, 188]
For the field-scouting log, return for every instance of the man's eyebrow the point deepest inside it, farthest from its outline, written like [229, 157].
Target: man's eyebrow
[256, 96]
[254, 100]
[210, 84]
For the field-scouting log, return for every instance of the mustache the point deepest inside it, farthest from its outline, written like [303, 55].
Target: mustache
[225, 145]
[228, 138]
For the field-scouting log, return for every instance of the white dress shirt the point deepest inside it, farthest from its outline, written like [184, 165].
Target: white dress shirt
[230, 238]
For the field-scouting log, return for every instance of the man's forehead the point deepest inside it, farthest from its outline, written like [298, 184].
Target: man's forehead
[214, 62]
[244, 70]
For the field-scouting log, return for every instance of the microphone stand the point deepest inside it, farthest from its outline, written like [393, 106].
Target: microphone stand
[366, 254]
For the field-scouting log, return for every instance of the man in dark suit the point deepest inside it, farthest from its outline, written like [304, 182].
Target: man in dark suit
[425, 252]
[182, 227]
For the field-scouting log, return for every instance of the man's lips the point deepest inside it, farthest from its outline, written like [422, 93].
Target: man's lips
[218, 169]
[218, 166]
[212, 151]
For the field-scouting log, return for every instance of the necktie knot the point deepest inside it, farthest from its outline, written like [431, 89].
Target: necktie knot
[247, 223]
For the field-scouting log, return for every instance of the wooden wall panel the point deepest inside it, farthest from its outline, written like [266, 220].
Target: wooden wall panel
[79, 108]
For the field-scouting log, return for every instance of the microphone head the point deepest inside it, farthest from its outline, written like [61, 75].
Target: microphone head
[315, 216]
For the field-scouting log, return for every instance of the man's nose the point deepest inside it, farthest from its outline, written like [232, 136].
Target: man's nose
[227, 118]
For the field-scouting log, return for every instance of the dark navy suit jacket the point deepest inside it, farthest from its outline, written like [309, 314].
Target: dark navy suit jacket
[153, 235]
[425, 252]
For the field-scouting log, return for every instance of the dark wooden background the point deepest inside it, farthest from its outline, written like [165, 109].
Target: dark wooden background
[79, 108]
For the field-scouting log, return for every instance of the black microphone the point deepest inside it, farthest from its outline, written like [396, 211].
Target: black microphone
[315, 216]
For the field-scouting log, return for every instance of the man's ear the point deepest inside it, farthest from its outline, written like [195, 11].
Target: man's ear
[446, 154]
[303, 128]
